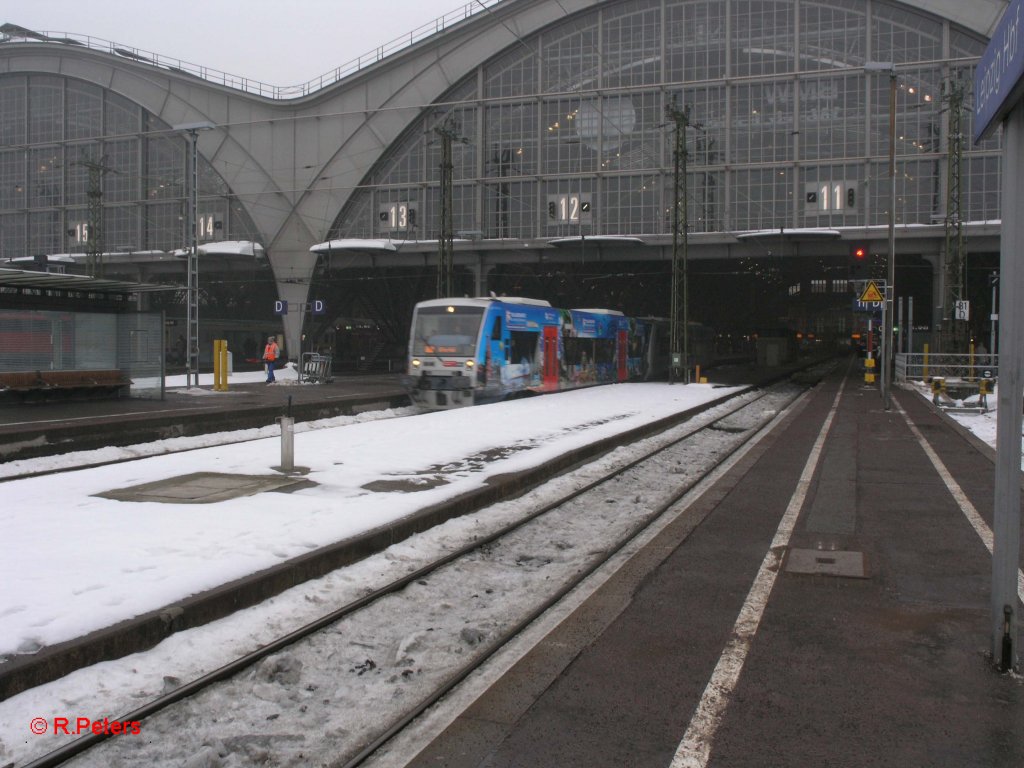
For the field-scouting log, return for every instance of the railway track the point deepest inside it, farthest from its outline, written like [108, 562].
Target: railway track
[23, 469]
[363, 672]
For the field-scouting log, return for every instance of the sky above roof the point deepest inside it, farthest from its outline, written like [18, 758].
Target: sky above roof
[277, 43]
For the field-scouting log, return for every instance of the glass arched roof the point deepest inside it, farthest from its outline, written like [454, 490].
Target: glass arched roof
[568, 131]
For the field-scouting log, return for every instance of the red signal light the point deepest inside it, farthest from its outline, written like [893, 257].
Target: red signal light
[860, 253]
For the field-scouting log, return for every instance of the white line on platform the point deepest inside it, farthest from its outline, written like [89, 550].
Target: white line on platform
[970, 511]
[695, 748]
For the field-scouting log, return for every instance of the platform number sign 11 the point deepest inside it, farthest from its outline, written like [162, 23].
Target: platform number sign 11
[828, 197]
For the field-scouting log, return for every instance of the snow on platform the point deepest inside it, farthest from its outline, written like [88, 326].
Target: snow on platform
[72, 561]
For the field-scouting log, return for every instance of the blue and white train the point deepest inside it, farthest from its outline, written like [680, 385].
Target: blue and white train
[480, 350]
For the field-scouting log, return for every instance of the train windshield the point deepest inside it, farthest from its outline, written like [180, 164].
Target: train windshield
[446, 330]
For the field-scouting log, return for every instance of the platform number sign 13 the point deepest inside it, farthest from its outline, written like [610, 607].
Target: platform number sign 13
[396, 216]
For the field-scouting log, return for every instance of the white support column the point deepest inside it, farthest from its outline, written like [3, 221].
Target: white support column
[1010, 394]
[293, 271]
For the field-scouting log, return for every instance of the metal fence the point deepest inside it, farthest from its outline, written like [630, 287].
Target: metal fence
[922, 367]
[315, 368]
[13, 34]
[46, 340]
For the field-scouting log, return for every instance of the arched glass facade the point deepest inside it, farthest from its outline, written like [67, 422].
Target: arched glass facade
[567, 132]
[65, 142]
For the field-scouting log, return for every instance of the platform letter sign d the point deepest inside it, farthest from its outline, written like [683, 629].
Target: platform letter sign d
[280, 307]
[318, 307]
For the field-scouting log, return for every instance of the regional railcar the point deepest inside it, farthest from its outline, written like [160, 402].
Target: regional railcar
[33, 341]
[658, 348]
[478, 350]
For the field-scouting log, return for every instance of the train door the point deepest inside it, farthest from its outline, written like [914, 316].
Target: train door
[623, 352]
[549, 373]
[495, 353]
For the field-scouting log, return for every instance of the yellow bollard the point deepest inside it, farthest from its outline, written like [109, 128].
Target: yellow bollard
[869, 370]
[220, 365]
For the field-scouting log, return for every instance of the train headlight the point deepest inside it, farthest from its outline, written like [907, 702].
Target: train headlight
[415, 363]
[470, 363]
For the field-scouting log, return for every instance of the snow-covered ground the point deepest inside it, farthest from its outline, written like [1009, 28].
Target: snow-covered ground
[981, 425]
[71, 562]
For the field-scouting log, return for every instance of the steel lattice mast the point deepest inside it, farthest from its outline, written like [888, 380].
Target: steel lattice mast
[679, 310]
[955, 245]
[94, 233]
[445, 247]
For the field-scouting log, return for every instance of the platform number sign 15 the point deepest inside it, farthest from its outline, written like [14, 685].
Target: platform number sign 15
[79, 232]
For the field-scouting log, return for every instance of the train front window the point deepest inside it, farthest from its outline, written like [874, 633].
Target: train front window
[447, 330]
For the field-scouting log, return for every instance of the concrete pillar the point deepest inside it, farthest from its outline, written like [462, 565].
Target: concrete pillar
[293, 271]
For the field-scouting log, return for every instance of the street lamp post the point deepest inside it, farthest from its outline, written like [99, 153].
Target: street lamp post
[192, 317]
[890, 286]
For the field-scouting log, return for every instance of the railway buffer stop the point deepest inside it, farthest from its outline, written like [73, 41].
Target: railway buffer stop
[70, 336]
[999, 100]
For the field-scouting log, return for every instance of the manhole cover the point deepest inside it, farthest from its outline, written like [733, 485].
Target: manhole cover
[826, 562]
[204, 488]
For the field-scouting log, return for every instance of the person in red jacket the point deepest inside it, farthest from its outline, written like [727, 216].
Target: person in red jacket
[270, 354]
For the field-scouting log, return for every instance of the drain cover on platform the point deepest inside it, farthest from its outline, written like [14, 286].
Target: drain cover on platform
[204, 488]
[826, 562]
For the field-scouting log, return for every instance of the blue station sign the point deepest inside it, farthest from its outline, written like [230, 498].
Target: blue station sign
[870, 307]
[999, 78]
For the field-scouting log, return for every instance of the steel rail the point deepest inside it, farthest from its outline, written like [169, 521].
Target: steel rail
[84, 743]
[638, 528]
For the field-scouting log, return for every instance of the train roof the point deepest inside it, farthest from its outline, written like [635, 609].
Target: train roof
[483, 301]
[518, 300]
[599, 311]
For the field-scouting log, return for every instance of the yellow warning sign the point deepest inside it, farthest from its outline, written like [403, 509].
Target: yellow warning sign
[871, 293]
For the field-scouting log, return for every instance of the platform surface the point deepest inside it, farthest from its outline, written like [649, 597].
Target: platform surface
[870, 644]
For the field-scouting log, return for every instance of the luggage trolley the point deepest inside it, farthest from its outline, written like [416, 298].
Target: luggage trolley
[315, 368]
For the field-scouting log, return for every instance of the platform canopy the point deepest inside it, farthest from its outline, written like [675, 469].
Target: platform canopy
[24, 278]
[356, 244]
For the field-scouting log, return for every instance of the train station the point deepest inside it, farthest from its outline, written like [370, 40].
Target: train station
[571, 135]
[647, 392]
